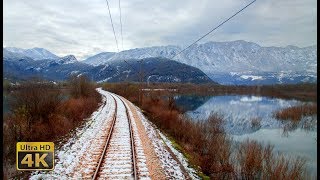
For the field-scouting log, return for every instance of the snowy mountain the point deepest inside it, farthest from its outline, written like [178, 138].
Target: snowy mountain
[34, 53]
[99, 58]
[154, 70]
[67, 59]
[237, 62]
[11, 55]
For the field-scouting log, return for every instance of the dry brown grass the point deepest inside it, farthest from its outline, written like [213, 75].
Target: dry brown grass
[295, 113]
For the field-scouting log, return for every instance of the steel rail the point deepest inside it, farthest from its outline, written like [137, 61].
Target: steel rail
[134, 163]
[133, 153]
[95, 175]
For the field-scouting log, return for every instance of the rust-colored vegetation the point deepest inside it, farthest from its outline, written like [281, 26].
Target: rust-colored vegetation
[41, 111]
[260, 162]
[295, 113]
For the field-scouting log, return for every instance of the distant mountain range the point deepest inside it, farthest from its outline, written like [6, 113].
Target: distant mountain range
[19, 66]
[236, 62]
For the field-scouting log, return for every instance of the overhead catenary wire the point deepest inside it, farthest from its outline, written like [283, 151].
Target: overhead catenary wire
[213, 29]
[122, 36]
[114, 33]
[121, 25]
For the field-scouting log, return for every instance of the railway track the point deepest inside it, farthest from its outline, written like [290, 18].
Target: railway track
[117, 143]
[118, 159]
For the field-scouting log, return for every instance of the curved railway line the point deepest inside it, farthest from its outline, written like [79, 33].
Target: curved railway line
[117, 158]
[117, 143]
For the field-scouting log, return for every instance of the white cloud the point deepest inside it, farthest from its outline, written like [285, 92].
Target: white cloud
[82, 27]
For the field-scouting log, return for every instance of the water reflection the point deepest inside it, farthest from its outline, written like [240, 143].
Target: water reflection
[247, 114]
[306, 123]
[191, 102]
[300, 143]
[251, 117]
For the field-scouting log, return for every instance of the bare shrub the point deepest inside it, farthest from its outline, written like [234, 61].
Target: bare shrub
[76, 110]
[60, 124]
[38, 100]
[260, 162]
[81, 86]
[256, 122]
[205, 141]
[39, 114]
[128, 90]
[250, 157]
[295, 113]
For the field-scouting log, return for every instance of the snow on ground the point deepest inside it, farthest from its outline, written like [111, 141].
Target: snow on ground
[171, 167]
[67, 158]
[192, 173]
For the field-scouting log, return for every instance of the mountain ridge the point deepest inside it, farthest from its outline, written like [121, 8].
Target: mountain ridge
[35, 53]
[231, 62]
[154, 70]
[234, 61]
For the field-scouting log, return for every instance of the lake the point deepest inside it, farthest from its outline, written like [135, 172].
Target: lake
[238, 112]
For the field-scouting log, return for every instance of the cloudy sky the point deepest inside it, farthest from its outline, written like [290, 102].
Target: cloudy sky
[82, 27]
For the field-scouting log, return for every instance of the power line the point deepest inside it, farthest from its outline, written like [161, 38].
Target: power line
[115, 37]
[214, 29]
[122, 37]
[121, 25]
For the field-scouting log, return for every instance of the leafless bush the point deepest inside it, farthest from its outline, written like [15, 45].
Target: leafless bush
[295, 113]
[35, 101]
[81, 86]
[256, 122]
[260, 162]
[39, 114]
